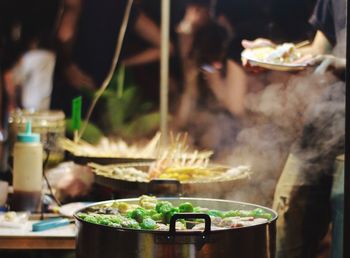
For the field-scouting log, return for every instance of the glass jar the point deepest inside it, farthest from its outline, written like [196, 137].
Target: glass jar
[49, 124]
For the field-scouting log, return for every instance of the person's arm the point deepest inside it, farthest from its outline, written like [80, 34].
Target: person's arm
[65, 38]
[147, 30]
[321, 49]
[67, 28]
[189, 97]
[320, 45]
[10, 87]
[327, 61]
[230, 91]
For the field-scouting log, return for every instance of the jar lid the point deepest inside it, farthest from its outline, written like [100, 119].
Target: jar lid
[28, 136]
[38, 118]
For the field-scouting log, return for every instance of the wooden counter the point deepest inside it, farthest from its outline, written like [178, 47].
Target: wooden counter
[60, 238]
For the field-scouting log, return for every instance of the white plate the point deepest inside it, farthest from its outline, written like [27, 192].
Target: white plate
[69, 209]
[250, 56]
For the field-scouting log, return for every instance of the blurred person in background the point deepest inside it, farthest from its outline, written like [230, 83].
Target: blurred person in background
[302, 196]
[285, 20]
[26, 27]
[86, 41]
[211, 104]
[28, 58]
[32, 73]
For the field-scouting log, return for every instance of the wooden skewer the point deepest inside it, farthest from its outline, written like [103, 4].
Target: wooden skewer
[302, 44]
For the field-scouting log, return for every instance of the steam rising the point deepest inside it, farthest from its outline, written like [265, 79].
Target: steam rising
[308, 102]
[302, 113]
[281, 114]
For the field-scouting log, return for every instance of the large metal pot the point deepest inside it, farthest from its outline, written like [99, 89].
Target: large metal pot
[258, 241]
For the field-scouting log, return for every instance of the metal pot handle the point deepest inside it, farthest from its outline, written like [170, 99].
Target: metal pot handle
[156, 182]
[177, 216]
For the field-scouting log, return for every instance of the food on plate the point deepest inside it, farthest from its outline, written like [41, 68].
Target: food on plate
[152, 214]
[284, 54]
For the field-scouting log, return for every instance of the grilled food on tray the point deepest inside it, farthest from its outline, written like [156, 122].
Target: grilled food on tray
[151, 214]
[184, 170]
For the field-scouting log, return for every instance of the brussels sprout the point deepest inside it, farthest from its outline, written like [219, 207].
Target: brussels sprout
[139, 214]
[148, 223]
[169, 214]
[232, 213]
[131, 223]
[244, 213]
[186, 207]
[200, 209]
[115, 219]
[215, 213]
[163, 207]
[260, 213]
[90, 218]
[82, 215]
[157, 217]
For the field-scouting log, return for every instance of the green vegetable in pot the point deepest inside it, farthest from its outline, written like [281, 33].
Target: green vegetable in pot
[157, 217]
[103, 221]
[259, 213]
[131, 223]
[243, 213]
[200, 209]
[232, 213]
[116, 219]
[148, 223]
[82, 215]
[163, 207]
[169, 214]
[139, 214]
[151, 214]
[89, 218]
[215, 213]
[186, 207]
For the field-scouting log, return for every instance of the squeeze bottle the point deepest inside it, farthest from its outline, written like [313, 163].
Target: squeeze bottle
[27, 171]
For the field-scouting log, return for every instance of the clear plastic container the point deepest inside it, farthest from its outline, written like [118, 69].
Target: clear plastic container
[49, 124]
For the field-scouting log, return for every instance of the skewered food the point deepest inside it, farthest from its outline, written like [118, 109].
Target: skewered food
[151, 214]
[112, 149]
[178, 147]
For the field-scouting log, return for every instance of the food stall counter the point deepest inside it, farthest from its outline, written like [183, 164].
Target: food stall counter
[23, 238]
